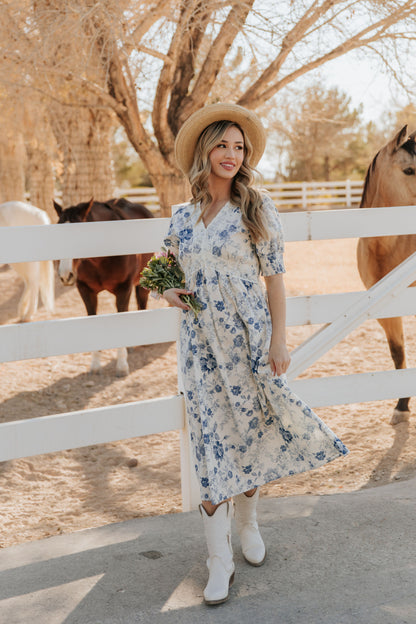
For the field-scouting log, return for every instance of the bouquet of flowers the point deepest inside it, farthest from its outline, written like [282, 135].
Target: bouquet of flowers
[163, 271]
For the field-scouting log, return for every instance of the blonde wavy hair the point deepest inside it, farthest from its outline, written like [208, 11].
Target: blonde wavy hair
[243, 193]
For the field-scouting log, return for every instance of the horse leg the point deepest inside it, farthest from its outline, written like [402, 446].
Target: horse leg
[47, 285]
[28, 304]
[90, 300]
[122, 294]
[393, 328]
[142, 295]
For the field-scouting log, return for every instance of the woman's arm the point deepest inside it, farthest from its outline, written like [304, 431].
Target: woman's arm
[279, 357]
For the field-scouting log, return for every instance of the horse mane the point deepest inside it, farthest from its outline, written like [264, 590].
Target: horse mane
[410, 146]
[120, 204]
[370, 171]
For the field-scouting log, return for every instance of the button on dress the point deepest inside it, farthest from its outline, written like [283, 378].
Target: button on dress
[246, 427]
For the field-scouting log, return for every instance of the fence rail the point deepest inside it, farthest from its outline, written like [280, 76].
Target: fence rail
[58, 337]
[286, 195]
[80, 240]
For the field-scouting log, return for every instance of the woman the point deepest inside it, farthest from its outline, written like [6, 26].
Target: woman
[246, 426]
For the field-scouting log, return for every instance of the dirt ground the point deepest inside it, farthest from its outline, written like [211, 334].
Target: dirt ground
[93, 486]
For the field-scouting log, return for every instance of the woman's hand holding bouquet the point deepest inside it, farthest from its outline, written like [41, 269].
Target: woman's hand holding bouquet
[163, 273]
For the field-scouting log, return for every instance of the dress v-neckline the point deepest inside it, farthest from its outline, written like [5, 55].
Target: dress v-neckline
[214, 217]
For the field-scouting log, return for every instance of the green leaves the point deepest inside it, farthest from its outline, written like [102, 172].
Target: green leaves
[163, 271]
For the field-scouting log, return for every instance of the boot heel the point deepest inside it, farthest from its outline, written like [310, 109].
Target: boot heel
[222, 600]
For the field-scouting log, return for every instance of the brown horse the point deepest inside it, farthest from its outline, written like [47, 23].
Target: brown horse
[390, 181]
[117, 274]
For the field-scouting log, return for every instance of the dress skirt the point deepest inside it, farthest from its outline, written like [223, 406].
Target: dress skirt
[246, 427]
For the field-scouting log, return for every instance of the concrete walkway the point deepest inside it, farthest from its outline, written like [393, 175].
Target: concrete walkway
[340, 559]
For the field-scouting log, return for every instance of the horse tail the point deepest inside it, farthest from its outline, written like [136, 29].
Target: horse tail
[47, 285]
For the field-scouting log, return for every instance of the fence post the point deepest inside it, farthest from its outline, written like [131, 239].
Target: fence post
[304, 196]
[348, 198]
[189, 484]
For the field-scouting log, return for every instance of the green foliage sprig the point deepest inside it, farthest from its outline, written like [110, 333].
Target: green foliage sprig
[163, 271]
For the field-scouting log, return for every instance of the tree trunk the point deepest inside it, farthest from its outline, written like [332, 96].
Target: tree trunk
[12, 166]
[308, 171]
[84, 136]
[326, 168]
[100, 154]
[171, 189]
[40, 152]
[41, 183]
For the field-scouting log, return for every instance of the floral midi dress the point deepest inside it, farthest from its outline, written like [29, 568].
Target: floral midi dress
[246, 427]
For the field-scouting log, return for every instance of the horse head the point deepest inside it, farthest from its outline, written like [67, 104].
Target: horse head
[391, 177]
[73, 214]
[67, 269]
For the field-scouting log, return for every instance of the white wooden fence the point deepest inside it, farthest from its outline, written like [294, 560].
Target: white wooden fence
[286, 195]
[340, 312]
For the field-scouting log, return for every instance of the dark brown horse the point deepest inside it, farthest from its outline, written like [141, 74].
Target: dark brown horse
[390, 181]
[117, 274]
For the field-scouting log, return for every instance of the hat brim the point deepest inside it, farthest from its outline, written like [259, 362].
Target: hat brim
[191, 130]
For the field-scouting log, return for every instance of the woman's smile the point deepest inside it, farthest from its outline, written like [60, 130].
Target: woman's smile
[228, 165]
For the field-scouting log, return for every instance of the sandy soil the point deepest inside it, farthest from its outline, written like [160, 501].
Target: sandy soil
[92, 486]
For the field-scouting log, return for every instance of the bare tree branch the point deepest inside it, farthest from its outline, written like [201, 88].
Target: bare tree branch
[310, 17]
[185, 65]
[161, 128]
[163, 57]
[215, 58]
[258, 93]
[150, 17]
[125, 97]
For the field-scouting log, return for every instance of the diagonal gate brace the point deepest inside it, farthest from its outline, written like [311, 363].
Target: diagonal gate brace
[371, 304]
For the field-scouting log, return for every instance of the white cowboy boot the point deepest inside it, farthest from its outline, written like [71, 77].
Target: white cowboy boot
[220, 561]
[252, 544]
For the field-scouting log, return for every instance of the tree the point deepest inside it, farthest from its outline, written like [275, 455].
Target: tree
[12, 149]
[319, 129]
[83, 133]
[402, 116]
[365, 145]
[42, 51]
[41, 155]
[129, 169]
[84, 138]
[163, 59]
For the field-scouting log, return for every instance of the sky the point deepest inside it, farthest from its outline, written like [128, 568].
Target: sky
[364, 81]
[366, 84]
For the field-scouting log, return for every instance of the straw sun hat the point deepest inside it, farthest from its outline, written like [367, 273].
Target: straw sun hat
[191, 130]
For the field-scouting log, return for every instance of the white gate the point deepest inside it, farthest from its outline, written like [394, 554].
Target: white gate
[340, 312]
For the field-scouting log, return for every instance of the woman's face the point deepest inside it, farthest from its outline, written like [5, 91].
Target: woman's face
[227, 157]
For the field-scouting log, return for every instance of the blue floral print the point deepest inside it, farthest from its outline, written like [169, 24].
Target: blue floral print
[247, 427]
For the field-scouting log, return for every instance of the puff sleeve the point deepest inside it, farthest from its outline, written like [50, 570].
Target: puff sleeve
[270, 252]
